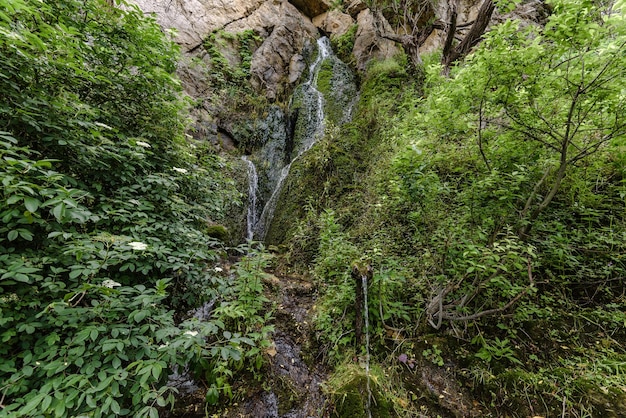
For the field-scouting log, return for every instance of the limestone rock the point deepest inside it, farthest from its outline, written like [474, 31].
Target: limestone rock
[193, 20]
[311, 8]
[278, 61]
[355, 7]
[334, 22]
[275, 65]
[367, 44]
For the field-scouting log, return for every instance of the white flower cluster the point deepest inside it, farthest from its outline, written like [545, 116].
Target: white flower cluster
[191, 333]
[136, 245]
[102, 125]
[143, 144]
[180, 170]
[110, 283]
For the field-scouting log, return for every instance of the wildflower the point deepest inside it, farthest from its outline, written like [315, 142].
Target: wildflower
[180, 170]
[102, 125]
[139, 246]
[110, 283]
[191, 333]
[143, 144]
[218, 269]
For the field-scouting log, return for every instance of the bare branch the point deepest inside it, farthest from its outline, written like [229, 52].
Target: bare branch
[512, 302]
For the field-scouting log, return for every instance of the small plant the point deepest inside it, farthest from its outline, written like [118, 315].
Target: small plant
[496, 350]
[433, 354]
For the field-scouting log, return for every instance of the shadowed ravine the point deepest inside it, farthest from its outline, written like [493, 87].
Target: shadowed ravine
[292, 375]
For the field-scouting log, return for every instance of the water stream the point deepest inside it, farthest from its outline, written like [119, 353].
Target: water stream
[253, 188]
[367, 345]
[314, 113]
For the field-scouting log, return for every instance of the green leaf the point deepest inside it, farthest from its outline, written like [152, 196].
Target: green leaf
[26, 234]
[45, 404]
[212, 395]
[12, 235]
[59, 211]
[75, 273]
[140, 315]
[156, 370]
[115, 407]
[13, 199]
[31, 204]
[32, 404]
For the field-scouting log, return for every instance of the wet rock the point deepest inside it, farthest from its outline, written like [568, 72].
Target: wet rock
[292, 388]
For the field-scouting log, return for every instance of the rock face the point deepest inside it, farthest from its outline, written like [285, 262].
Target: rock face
[368, 44]
[354, 7]
[193, 20]
[275, 65]
[334, 23]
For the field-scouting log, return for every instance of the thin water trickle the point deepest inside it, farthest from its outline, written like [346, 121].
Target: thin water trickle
[253, 187]
[315, 119]
[367, 346]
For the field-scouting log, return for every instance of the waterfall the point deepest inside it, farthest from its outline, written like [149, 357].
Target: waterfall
[315, 119]
[367, 345]
[253, 187]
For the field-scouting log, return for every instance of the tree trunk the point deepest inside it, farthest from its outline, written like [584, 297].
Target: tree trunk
[471, 39]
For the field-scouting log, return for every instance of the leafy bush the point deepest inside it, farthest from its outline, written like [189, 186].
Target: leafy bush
[105, 209]
[497, 203]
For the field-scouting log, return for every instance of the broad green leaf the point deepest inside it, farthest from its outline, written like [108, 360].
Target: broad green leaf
[31, 204]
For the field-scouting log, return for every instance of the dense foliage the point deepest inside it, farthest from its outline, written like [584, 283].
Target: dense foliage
[491, 209]
[105, 209]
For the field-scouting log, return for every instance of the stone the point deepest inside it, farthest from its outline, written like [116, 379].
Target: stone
[296, 67]
[334, 23]
[193, 20]
[278, 62]
[368, 44]
[275, 66]
[355, 7]
[312, 8]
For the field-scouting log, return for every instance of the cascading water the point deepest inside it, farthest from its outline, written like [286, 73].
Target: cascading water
[367, 345]
[253, 187]
[315, 119]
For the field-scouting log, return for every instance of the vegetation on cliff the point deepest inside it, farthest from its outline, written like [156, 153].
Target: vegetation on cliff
[491, 208]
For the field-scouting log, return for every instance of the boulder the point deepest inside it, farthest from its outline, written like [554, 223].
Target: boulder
[355, 7]
[334, 22]
[312, 8]
[367, 44]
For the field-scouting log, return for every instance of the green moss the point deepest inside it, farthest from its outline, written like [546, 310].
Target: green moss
[350, 399]
[344, 44]
[331, 173]
[219, 232]
[324, 77]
